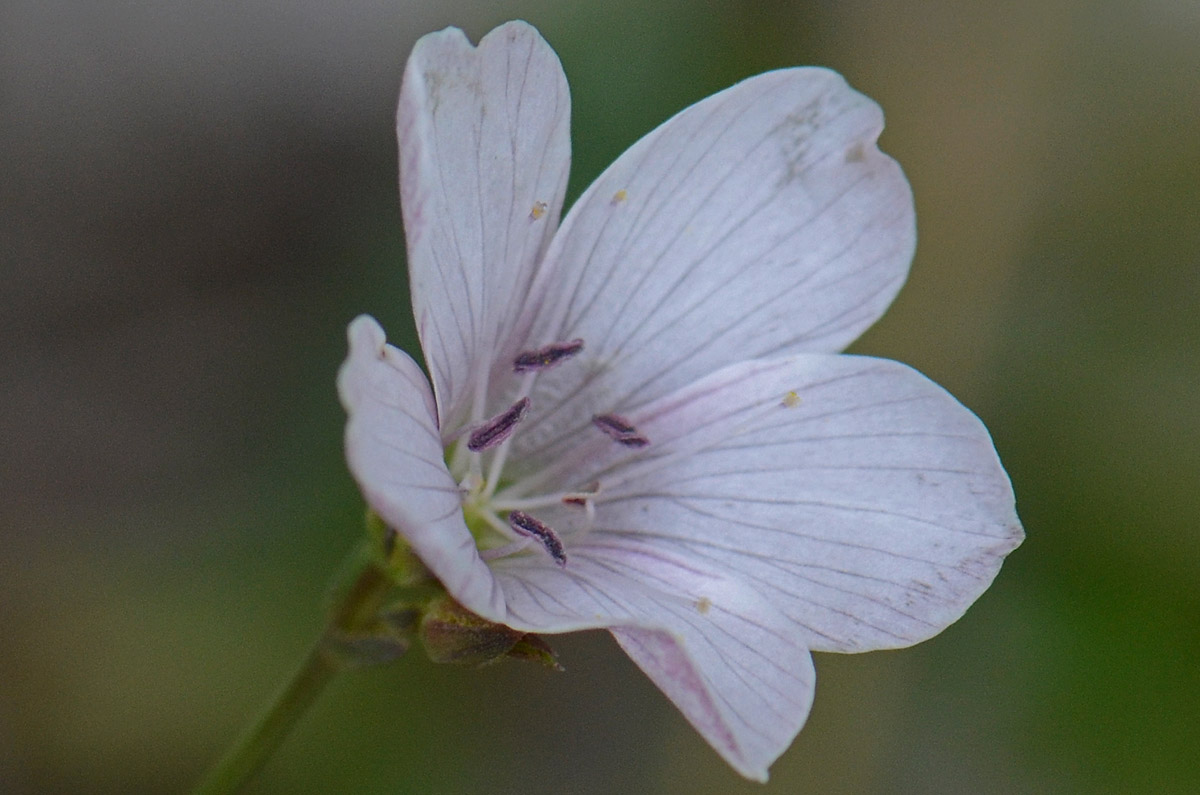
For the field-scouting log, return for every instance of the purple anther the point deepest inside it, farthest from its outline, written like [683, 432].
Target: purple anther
[620, 430]
[498, 428]
[547, 356]
[526, 525]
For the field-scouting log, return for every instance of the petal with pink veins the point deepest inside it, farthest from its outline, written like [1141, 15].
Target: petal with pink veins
[760, 221]
[484, 155]
[395, 454]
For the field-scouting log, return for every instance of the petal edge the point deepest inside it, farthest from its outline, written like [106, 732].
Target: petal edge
[484, 154]
[394, 452]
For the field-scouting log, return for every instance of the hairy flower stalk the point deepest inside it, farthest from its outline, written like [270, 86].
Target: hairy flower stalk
[639, 420]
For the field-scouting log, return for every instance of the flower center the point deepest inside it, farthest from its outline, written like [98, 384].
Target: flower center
[504, 525]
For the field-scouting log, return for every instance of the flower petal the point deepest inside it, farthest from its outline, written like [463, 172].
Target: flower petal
[816, 501]
[730, 660]
[853, 493]
[747, 696]
[761, 221]
[835, 503]
[394, 452]
[484, 155]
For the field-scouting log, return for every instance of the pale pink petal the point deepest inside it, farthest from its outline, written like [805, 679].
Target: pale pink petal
[855, 494]
[761, 221]
[747, 696]
[728, 659]
[484, 156]
[395, 453]
[813, 501]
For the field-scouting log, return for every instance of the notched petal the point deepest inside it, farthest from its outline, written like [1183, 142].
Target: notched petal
[484, 156]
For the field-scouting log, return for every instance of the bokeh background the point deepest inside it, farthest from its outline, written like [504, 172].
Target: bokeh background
[195, 198]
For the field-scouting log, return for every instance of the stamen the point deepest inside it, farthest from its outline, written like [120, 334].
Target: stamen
[470, 483]
[583, 499]
[547, 356]
[586, 503]
[506, 502]
[494, 522]
[620, 430]
[498, 428]
[503, 552]
[526, 525]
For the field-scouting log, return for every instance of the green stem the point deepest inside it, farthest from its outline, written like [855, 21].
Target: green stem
[356, 608]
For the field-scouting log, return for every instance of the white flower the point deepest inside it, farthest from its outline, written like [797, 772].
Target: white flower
[667, 444]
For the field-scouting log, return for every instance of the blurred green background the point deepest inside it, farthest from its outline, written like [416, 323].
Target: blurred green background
[195, 198]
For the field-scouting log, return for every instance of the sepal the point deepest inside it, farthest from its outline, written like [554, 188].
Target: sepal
[452, 634]
[534, 648]
[383, 637]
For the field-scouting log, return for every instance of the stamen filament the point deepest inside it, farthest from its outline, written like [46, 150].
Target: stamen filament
[459, 458]
[501, 455]
[528, 503]
[506, 550]
[492, 519]
[474, 474]
[494, 470]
